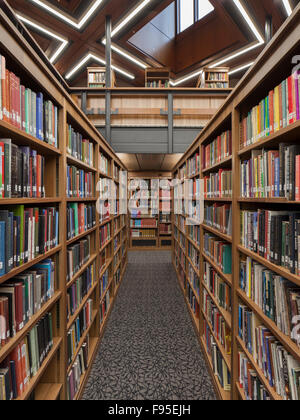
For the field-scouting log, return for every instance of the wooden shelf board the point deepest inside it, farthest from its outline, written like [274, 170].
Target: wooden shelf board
[226, 277]
[217, 233]
[82, 270]
[27, 266]
[28, 201]
[226, 315]
[81, 306]
[224, 162]
[78, 163]
[47, 392]
[81, 235]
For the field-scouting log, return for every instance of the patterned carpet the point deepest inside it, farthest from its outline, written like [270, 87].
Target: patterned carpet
[149, 350]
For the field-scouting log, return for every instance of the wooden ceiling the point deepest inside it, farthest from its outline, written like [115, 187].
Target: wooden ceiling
[149, 162]
[151, 36]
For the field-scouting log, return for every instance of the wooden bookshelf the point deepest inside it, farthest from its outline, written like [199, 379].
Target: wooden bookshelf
[273, 65]
[214, 78]
[157, 77]
[50, 382]
[96, 78]
[162, 201]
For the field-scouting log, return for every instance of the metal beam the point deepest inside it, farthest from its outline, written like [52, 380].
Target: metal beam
[108, 50]
[108, 116]
[170, 123]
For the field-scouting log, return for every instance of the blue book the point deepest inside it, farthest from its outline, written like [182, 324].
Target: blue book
[2, 248]
[49, 267]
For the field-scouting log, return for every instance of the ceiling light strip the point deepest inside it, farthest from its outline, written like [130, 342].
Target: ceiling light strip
[287, 6]
[100, 60]
[64, 42]
[77, 25]
[249, 21]
[128, 18]
[241, 68]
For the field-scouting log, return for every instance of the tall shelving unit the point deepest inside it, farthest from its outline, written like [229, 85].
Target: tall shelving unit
[51, 380]
[159, 205]
[270, 69]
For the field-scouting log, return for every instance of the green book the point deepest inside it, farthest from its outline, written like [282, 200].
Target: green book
[19, 211]
[227, 259]
[74, 206]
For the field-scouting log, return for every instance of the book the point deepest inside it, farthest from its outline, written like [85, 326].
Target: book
[79, 148]
[79, 183]
[79, 290]
[218, 150]
[80, 218]
[219, 251]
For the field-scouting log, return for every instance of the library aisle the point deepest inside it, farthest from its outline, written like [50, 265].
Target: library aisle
[149, 349]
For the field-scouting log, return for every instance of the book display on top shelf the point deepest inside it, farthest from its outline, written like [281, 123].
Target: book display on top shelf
[214, 78]
[157, 77]
[96, 77]
[249, 239]
[50, 260]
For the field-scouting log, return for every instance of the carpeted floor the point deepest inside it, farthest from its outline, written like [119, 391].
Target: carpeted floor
[149, 350]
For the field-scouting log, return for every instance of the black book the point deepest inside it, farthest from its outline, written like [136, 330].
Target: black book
[41, 237]
[7, 167]
[14, 171]
[13, 379]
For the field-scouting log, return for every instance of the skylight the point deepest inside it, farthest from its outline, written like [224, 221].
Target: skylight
[190, 11]
[204, 8]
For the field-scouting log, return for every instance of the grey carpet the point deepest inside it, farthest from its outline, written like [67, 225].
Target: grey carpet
[149, 350]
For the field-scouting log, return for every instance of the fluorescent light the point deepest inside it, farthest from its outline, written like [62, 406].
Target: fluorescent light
[63, 41]
[185, 79]
[287, 6]
[126, 55]
[77, 25]
[231, 57]
[100, 60]
[249, 21]
[241, 68]
[124, 22]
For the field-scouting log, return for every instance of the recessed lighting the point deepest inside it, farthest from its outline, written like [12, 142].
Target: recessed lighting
[64, 42]
[77, 25]
[128, 18]
[241, 68]
[100, 60]
[287, 6]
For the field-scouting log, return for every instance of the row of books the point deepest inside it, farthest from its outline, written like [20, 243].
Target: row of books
[26, 233]
[141, 223]
[193, 254]
[79, 290]
[218, 185]
[79, 183]
[193, 165]
[165, 218]
[24, 362]
[193, 232]
[116, 171]
[78, 254]
[182, 172]
[104, 164]
[194, 279]
[104, 282]
[278, 110]
[274, 235]
[272, 173]
[217, 85]
[181, 240]
[23, 296]
[218, 150]
[279, 367]
[278, 298]
[165, 229]
[218, 287]
[105, 234]
[26, 109]
[219, 327]
[77, 370]
[158, 84]
[80, 218]
[219, 216]
[22, 171]
[192, 301]
[250, 382]
[97, 77]
[220, 368]
[144, 233]
[80, 148]
[217, 76]
[78, 328]
[219, 251]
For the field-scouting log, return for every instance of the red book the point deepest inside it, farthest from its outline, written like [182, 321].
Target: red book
[290, 100]
[7, 96]
[280, 106]
[18, 102]
[23, 118]
[15, 356]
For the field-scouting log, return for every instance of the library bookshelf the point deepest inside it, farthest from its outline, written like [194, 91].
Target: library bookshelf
[152, 231]
[199, 270]
[106, 240]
